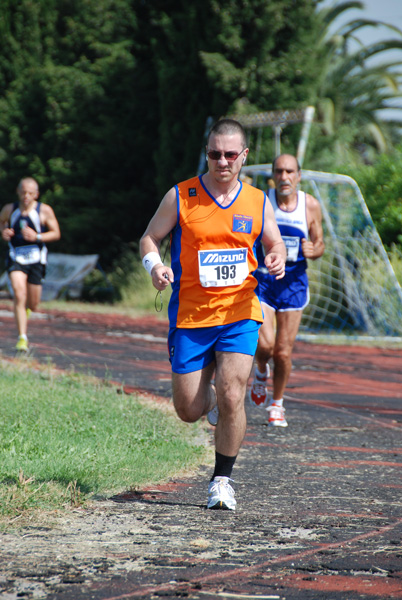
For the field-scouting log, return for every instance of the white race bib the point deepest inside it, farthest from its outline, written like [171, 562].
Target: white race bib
[220, 268]
[26, 255]
[292, 247]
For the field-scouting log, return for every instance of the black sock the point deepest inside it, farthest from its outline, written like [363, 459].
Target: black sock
[223, 465]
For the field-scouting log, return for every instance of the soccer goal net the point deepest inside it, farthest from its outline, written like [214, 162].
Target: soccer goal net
[353, 288]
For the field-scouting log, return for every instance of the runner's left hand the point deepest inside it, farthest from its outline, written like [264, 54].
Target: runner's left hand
[275, 265]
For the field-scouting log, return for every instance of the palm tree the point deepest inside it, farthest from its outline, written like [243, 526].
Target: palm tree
[352, 91]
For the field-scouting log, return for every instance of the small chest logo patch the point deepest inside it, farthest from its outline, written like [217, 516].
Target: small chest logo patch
[242, 224]
[192, 192]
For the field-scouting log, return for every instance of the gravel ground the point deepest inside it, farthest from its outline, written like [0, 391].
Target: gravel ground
[319, 503]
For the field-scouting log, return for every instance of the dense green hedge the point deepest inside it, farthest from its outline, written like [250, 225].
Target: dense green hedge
[381, 186]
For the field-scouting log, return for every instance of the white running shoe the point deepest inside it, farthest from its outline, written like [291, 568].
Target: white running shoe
[213, 416]
[276, 416]
[221, 494]
[258, 393]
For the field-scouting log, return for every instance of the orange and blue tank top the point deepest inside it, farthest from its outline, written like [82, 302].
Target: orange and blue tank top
[213, 256]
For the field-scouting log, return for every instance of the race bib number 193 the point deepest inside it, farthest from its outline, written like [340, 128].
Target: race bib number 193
[221, 268]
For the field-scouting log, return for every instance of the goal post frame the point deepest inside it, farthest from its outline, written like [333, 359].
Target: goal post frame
[353, 295]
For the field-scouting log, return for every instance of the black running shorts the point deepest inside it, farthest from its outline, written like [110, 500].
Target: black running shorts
[36, 272]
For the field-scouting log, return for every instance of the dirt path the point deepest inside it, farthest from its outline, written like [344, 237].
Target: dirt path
[319, 504]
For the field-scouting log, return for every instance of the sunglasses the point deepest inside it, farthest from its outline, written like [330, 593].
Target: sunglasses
[229, 156]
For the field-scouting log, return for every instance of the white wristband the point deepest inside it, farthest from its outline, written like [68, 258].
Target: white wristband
[150, 260]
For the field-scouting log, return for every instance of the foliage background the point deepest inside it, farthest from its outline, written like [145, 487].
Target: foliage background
[106, 102]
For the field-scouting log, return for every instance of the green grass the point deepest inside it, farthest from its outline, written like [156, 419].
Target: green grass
[66, 438]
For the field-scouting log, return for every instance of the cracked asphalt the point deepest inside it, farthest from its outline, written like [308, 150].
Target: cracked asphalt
[319, 512]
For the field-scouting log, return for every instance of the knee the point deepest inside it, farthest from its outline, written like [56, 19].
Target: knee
[187, 415]
[265, 347]
[20, 296]
[187, 410]
[231, 402]
[283, 355]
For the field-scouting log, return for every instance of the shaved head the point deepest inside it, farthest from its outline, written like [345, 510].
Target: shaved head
[228, 127]
[29, 180]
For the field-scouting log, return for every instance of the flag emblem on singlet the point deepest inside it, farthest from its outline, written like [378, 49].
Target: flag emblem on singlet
[242, 224]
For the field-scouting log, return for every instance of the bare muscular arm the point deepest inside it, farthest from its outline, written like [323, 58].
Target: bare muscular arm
[159, 227]
[6, 232]
[275, 249]
[314, 247]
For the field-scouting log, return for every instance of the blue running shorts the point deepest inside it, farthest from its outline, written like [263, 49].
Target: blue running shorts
[289, 293]
[193, 349]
